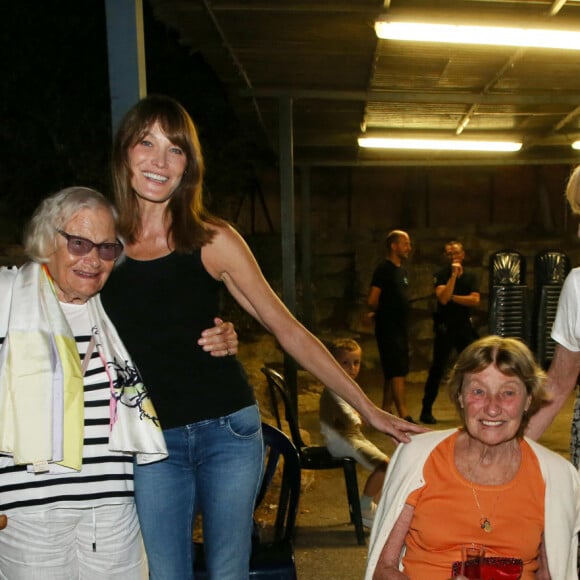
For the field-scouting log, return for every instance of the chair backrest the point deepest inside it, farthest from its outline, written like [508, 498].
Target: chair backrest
[507, 268]
[550, 267]
[550, 270]
[277, 446]
[545, 345]
[509, 312]
[279, 394]
[509, 304]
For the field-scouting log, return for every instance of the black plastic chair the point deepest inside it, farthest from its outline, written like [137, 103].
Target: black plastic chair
[550, 267]
[550, 270]
[272, 557]
[509, 312]
[507, 268]
[315, 457]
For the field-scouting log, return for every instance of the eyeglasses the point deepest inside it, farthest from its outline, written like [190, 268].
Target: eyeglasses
[81, 247]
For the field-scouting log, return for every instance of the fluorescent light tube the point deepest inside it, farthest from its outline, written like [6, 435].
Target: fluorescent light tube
[489, 35]
[438, 144]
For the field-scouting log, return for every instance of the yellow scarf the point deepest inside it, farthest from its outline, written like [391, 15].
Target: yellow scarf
[41, 381]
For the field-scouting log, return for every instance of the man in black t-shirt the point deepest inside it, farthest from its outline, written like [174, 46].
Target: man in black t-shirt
[457, 292]
[389, 306]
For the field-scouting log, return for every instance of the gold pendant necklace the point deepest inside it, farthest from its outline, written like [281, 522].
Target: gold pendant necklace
[484, 522]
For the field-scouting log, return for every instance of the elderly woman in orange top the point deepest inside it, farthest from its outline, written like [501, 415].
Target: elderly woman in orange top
[483, 483]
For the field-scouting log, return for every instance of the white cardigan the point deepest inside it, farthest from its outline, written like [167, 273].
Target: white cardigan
[562, 501]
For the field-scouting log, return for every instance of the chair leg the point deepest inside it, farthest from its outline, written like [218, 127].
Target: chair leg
[353, 498]
[282, 505]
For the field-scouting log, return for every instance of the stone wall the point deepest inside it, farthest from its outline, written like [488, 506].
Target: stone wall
[351, 209]
[342, 268]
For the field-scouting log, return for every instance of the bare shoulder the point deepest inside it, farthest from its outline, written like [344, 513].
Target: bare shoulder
[224, 233]
[226, 252]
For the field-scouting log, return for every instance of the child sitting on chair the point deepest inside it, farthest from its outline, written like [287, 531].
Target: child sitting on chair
[340, 425]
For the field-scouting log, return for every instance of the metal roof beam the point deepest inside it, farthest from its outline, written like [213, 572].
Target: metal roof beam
[555, 98]
[296, 7]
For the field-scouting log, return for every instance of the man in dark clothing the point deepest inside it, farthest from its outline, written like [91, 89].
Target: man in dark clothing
[389, 306]
[457, 292]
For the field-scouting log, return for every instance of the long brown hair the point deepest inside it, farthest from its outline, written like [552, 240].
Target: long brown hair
[189, 220]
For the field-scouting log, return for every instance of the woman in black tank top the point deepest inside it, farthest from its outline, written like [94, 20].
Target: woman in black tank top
[178, 257]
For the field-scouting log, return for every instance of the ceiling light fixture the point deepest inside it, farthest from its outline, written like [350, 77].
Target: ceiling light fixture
[439, 144]
[487, 35]
[576, 145]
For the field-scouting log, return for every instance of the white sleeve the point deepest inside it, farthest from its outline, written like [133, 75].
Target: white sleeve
[566, 328]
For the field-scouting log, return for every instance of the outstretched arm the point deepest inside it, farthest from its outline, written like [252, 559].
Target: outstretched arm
[562, 378]
[229, 259]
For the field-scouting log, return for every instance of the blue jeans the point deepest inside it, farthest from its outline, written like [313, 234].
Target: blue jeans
[216, 467]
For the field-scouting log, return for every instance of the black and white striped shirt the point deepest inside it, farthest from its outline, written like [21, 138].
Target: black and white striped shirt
[106, 477]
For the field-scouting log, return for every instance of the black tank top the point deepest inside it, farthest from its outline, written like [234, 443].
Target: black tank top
[159, 308]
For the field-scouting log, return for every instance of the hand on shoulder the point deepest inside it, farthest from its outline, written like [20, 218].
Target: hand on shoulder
[397, 428]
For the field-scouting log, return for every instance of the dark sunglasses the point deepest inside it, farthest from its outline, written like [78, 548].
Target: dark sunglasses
[78, 246]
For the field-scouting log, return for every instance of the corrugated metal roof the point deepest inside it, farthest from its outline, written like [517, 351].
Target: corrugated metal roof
[324, 55]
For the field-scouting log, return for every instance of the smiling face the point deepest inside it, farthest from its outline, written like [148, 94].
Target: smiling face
[78, 278]
[493, 404]
[157, 166]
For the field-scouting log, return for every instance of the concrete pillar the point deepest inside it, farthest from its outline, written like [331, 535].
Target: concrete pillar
[126, 51]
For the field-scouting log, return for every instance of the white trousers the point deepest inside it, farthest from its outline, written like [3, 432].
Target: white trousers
[102, 543]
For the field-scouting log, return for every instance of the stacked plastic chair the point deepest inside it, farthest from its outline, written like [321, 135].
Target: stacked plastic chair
[509, 314]
[550, 270]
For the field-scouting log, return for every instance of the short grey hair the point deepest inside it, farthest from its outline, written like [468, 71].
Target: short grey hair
[54, 213]
[512, 358]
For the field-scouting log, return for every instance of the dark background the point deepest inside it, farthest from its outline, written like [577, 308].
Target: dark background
[55, 127]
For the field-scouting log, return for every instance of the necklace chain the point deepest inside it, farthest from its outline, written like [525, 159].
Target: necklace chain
[484, 522]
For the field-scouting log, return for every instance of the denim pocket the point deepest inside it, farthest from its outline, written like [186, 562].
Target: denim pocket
[245, 423]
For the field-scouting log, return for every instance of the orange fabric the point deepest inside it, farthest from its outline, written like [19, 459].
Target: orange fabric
[446, 516]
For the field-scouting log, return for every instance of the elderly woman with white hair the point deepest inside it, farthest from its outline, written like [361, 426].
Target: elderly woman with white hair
[74, 412]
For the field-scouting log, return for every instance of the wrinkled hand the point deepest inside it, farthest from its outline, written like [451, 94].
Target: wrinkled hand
[221, 340]
[397, 428]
